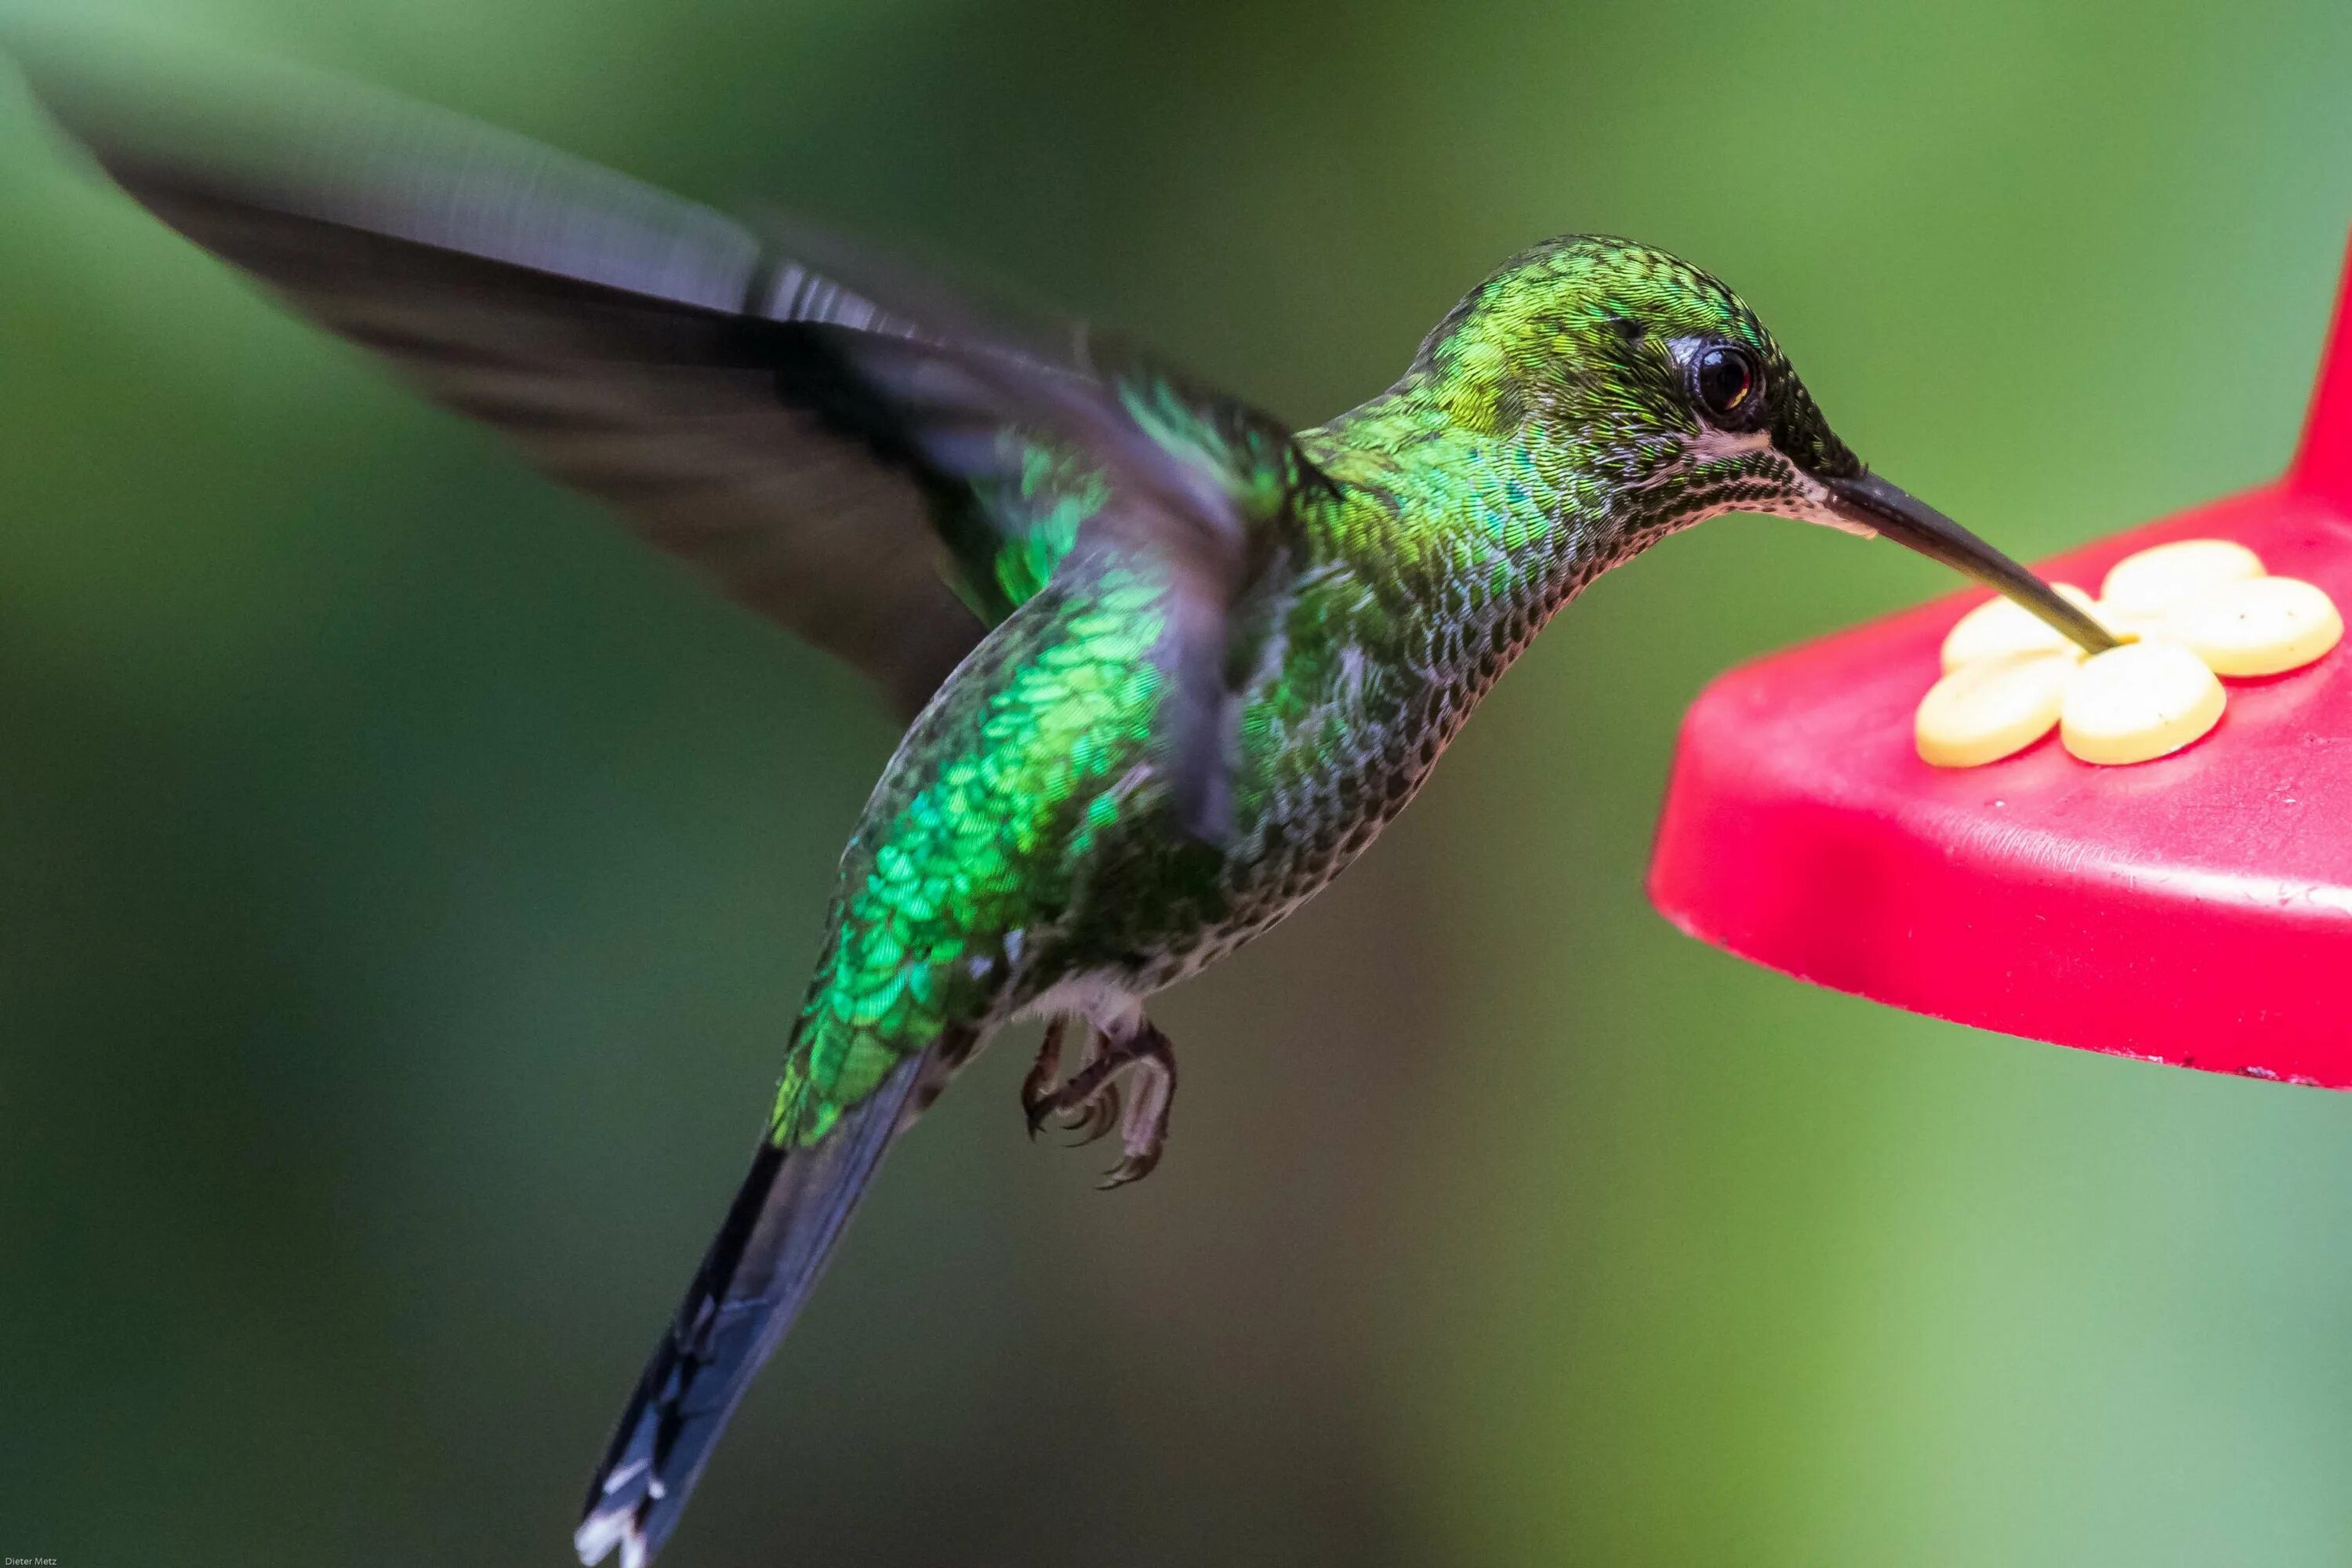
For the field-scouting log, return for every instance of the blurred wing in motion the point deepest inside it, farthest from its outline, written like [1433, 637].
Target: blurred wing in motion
[871, 464]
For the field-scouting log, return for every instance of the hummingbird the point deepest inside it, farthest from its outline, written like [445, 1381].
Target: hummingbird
[1168, 665]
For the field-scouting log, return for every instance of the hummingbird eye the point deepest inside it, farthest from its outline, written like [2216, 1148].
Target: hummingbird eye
[1727, 384]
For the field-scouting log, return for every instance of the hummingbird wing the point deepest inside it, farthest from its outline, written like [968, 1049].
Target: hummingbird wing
[1118, 453]
[885, 479]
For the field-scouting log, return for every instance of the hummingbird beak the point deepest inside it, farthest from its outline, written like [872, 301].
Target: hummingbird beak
[1870, 504]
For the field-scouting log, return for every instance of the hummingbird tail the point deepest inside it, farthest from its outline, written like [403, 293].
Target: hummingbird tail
[761, 1267]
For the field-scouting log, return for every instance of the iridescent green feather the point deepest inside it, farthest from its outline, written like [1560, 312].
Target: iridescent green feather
[976, 832]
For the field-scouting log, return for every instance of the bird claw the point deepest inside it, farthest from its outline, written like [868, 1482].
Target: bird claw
[1089, 1122]
[1143, 1125]
[1037, 1087]
[1090, 1103]
[1134, 1168]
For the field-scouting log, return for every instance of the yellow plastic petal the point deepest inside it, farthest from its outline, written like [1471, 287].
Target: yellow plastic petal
[2152, 581]
[2004, 626]
[2138, 701]
[2261, 626]
[1989, 708]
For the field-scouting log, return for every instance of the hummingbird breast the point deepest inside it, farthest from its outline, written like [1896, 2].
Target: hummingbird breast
[1360, 691]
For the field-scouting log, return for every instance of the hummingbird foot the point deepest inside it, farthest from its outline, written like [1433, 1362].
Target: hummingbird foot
[1089, 1101]
[1038, 1088]
[1093, 1122]
[1143, 1129]
[1088, 1122]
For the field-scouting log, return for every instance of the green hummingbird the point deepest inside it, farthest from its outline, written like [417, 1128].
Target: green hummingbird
[1169, 665]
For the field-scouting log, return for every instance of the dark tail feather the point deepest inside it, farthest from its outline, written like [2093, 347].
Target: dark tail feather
[759, 1269]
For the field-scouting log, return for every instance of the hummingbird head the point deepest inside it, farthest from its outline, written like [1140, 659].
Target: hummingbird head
[1649, 375]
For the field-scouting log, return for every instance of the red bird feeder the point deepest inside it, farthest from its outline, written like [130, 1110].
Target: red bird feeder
[2195, 911]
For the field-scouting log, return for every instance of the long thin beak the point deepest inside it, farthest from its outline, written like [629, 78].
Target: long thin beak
[1871, 502]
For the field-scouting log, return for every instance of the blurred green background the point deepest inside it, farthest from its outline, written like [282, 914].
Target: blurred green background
[405, 881]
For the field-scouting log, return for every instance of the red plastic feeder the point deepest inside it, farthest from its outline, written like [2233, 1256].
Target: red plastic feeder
[2195, 911]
